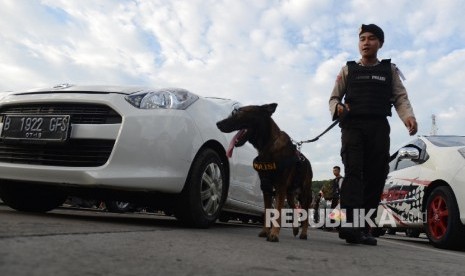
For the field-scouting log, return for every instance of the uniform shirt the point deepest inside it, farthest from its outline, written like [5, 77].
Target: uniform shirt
[399, 94]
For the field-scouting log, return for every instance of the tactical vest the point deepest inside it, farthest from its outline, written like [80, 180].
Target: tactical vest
[369, 89]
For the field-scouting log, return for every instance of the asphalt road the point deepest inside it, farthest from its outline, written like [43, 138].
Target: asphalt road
[83, 242]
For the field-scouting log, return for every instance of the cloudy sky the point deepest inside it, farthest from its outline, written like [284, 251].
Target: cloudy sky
[254, 51]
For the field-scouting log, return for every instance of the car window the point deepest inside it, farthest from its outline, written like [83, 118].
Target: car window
[447, 141]
[405, 163]
[393, 162]
[423, 150]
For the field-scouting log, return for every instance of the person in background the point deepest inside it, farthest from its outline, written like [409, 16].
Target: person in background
[336, 185]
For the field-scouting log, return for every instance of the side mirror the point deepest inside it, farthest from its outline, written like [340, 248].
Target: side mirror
[409, 153]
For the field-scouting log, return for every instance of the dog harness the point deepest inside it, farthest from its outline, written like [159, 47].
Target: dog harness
[267, 169]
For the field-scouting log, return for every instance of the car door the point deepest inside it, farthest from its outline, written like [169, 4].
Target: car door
[401, 198]
[245, 183]
[244, 193]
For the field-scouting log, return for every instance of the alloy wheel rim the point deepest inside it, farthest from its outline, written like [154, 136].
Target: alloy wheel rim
[438, 217]
[211, 189]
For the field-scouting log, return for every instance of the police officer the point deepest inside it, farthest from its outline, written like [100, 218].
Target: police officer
[362, 98]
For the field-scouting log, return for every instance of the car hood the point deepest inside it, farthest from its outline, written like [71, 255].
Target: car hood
[69, 88]
[119, 89]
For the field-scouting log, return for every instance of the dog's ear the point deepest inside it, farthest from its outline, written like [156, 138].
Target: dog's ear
[271, 108]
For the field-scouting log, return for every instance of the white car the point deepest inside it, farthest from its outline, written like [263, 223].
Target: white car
[425, 189]
[156, 147]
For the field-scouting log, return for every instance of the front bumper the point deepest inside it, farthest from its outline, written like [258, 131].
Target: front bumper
[153, 149]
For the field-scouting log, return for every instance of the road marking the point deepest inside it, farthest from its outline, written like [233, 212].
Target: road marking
[434, 250]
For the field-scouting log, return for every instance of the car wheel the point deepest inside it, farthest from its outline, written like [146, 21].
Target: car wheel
[391, 231]
[412, 233]
[31, 198]
[119, 206]
[205, 191]
[443, 226]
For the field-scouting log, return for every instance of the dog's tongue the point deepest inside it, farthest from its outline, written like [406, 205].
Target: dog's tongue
[233, 142]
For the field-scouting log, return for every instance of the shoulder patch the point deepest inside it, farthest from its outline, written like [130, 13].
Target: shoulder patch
[401, 75]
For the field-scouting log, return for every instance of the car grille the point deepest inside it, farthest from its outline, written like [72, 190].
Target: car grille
[80, 113]
[72, 153]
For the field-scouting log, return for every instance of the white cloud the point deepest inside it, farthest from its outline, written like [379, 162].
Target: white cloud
[257, 52]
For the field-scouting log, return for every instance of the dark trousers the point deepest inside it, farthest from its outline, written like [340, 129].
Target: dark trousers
[365, 155]
[334, 202]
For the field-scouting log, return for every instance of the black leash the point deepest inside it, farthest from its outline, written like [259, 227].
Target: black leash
[299, 144]
[339, 119]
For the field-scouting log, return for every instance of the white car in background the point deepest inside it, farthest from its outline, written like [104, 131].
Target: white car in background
[425, 189]
[156, 147]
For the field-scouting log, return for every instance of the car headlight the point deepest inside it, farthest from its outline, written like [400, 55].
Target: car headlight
[171, 98]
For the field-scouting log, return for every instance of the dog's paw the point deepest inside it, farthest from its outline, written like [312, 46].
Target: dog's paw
[272, 238]
[263, 234]
[295, 231]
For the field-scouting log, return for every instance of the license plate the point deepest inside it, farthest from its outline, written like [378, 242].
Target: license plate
[36, 127]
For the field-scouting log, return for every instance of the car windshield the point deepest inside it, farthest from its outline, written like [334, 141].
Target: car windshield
[447, 141]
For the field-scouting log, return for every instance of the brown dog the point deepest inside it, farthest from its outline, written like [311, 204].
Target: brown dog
[284, 171]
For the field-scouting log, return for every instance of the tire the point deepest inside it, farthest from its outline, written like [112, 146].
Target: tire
[31, 198]
[119, 206]
[205, 191]
[412, 233]
[391, 231]
[443, 226]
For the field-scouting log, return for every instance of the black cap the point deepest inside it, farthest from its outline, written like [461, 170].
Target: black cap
[374, 29]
